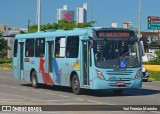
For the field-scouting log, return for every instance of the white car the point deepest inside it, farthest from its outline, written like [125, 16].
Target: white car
[145, 74]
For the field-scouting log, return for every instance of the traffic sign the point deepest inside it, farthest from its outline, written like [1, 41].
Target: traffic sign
[154, 25]
[153, 19]
[154, 22]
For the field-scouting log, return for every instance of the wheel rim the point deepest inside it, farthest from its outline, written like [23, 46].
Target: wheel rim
[34, 81]
[75, 84]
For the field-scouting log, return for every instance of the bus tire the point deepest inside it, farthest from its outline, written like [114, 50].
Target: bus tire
[75, 84]
[34, 80]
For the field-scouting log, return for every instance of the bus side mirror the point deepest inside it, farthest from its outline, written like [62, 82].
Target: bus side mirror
[142, 47]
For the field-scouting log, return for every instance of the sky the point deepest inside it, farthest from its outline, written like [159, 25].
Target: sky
[16, 13]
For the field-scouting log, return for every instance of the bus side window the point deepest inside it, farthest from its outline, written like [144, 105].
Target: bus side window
[29, 48]
[72, 47]
[40, 47]
[15, 48]
[57, 47]
[60, 47]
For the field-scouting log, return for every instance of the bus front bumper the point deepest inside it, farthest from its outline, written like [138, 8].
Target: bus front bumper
[120, 84]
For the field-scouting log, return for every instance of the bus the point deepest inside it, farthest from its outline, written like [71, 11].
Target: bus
[94, 58]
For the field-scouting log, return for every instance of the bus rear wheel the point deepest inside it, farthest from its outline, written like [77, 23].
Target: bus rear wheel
[75, 84]
[34, 80]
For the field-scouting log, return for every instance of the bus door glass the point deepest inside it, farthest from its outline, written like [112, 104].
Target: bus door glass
[85, 62]
[15, 59]
[50, 56]
[21, 58]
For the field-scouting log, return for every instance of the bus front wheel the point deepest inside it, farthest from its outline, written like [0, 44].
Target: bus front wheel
[34, 80]
[75, 85]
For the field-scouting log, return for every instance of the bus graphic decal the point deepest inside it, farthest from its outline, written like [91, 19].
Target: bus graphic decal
[55, 66]
[46, 77]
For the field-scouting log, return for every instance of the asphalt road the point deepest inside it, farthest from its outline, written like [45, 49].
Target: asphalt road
[19, 92]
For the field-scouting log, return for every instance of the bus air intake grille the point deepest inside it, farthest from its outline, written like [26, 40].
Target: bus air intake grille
[120, 72]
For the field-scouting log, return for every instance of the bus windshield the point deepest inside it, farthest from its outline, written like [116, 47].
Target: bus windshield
[115, 54]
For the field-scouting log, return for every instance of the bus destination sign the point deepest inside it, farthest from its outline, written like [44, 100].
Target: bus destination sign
[106, 34]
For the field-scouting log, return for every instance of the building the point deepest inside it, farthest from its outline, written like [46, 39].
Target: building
[128, 25]
[151, 41]
[65, 14]
[81, 14]
[8, 33]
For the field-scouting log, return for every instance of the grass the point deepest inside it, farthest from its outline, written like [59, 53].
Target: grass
[6, 66]
[154, 75]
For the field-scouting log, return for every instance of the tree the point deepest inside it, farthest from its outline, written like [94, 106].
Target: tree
[3, 47]
[22, 32]
[61, 25]
[155, 59]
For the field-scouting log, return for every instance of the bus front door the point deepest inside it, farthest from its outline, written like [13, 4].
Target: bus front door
[21, 58]
[85, 63]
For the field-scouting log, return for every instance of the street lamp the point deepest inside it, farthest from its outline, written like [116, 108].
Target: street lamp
[38, 13]
[139, 19]
[91, 9]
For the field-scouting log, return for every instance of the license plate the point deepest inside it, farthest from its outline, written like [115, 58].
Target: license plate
[120, 83]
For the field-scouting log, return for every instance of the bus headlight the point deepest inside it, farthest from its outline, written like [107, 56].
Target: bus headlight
[138, 74]
[100, 75]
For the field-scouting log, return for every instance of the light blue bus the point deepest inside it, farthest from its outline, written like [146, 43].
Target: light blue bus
[89, 58]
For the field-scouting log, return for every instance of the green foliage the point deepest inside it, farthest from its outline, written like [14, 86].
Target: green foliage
[155, 60]
[33, 28]
[5, 60]
[154, 75]
[22, 32]
[3, 47]
[61, 25]
[86, 24]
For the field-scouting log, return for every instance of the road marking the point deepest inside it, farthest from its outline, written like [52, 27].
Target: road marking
[50, 93]
[14, 87]
[97, 102]
[79, 99]
[5, 77]
[155, 112]
[77, 103]
[19, 96]
[36, 91]
[11, 99]
[4, 85]
[63, 96]
[147, 86]
[92, 101]
[24, 89]
[61, 100]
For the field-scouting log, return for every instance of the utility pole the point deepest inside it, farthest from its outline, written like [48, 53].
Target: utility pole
[28, 24]
[139, 19]
[38, 14]
[91, 10]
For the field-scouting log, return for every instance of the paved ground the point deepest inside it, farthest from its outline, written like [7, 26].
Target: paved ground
[18, 92]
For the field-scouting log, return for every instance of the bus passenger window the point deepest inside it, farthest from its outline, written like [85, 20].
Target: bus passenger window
[15, 48]
[57, 47]
[72, 47]
[29, 48]
[40, 47]
[60, 47]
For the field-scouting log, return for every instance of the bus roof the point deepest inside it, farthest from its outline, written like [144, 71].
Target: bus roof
[56, 33]
[61, 33]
